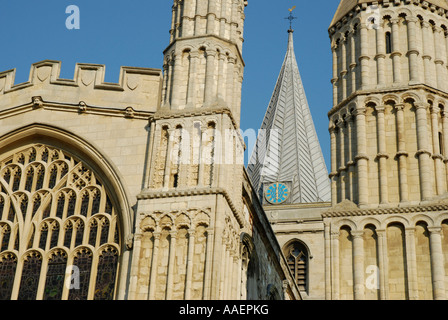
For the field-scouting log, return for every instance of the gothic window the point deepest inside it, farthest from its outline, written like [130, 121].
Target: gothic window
[8, 265]
[96, 203]
[43, 236]
[5, 235]
[79, 233]
[60, 206]
[83, 264]
[2, 206]
[57, 207]
[297, 257]
[44, 156]
[107, 269]
[71, 204]
[104, 231]
[30, 276]
[29, 179]
[68, 233]
[54, 284]
[93, 232]
[16, 181]
[85, 204]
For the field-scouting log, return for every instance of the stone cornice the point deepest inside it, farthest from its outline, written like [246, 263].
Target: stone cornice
[352, 212]
[166, 113]
[160, 194]
[80, 108]
[397, 90]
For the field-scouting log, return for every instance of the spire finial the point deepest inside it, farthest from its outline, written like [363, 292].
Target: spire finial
[291, 18]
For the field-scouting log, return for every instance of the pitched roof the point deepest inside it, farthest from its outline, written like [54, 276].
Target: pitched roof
[287, 148]
[345, 6]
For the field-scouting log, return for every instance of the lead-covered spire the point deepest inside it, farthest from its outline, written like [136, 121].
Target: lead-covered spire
[287, 149]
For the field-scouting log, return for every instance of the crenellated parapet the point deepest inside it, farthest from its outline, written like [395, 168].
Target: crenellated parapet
[138, 88]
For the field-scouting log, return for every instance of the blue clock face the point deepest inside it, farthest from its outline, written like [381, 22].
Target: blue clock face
[277, 193]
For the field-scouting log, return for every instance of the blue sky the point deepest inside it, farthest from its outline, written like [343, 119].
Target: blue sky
[135, 33]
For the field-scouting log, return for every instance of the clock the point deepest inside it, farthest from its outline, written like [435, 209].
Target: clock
[277, 193]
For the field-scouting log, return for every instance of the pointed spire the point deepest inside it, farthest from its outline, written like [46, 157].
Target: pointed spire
[287, 148]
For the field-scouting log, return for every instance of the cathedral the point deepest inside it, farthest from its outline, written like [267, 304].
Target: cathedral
[137, 190]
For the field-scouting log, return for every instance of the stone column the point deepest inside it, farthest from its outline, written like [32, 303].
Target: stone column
[221, 92]
[335, 79]
[440, 52]
[154, 262]
[135, 266]
[364, 58]
[223, 19]
[230, 90]
[187, 23]
[380, 57]
[334, 171]
[171, 261]
[396, 54]
[362, 158]
[427, 52]
[197, 18]
[342, 167]
[438, 158]
[190, 261]
[211, 17]
[335, 264]
[353, 63]
[343, 73]
[413, 52]
[210, 77]
[423, 154]
[402, 154]
[177, 81]
[202, 156]
[191, 93]
[165, 93]
[382, 264]
[327, 260]
[411, 262]
[382, 156]
[358, 264]
[350, 163]
[168, 160]
[173, 23]
[209, 265]
[445, 140]
[437, 263]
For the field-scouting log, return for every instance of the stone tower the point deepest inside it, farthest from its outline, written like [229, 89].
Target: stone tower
[389, 148]
[191, 207]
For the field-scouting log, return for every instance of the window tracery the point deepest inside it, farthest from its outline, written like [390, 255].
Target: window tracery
[54, 214]
[297, 258]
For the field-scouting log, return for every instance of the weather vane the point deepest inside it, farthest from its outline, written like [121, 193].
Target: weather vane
[291, 18]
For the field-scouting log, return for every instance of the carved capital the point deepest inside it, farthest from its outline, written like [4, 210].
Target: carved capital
[130, 241]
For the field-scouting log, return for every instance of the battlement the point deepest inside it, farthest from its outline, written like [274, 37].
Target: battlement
[139, 88]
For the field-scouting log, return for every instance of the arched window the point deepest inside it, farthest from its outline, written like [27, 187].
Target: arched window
[297, 258]
[51, 201]
[388, 43]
